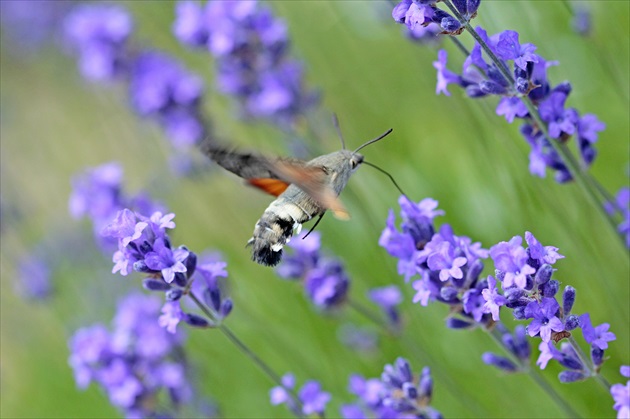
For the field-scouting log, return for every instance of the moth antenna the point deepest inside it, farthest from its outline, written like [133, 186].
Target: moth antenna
[380, 137]
[314, 225]
[386, 174]
[338, 128]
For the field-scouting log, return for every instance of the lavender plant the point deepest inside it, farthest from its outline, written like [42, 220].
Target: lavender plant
[397, 394]
[525, 90]
[313, 399]
[327, 284]
[160, 88]
[251, 49]
[141, 366]
[449, 268]
[97, 194]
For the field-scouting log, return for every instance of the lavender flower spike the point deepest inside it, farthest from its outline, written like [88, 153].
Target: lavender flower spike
[313, 400]
[99, 33]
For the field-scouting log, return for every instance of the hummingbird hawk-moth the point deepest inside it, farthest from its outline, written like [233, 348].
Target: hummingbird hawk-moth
[304, 190]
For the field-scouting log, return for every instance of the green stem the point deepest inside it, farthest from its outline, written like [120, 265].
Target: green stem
[535, 375]
[588, 365]
[365, 312]
[245, 349]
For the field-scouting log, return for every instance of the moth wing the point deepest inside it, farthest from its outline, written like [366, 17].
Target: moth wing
[273, 187]
[312, 180]
[274, 175]
[245, 164]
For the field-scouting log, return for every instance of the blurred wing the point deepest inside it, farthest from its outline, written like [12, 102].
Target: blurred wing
[311, 180]
[274, 175]
[273, 187]
[256, 169]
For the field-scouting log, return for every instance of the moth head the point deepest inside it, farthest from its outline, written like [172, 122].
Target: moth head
[355, 161]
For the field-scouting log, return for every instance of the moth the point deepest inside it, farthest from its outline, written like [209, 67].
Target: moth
[304, 190]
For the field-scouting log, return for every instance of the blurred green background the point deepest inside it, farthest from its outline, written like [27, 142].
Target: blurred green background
[453, 149]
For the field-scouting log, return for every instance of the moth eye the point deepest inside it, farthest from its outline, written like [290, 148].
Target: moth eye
[325, 169]
[353, 164]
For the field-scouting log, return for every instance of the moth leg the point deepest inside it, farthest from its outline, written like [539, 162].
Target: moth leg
[314, 225]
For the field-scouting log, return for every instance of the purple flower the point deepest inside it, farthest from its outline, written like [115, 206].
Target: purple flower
[542, 254]
[401, 246]
[444, 75]
[388, 298]
[474, 304]
[313, 399]
[251, 50]
[588, 126]
[279, 395]
[547, 353]
[424, 34]
[325, 281]
[30, 24]
[99, 33]
[124, 227]
[397, 394]
[163, 259]
[172, 314]
[512, 107]
[134, 362]
[162, 89]
[493, 299]
[417, 230]
[97, 192]
[544, 318]
[511, 259]
[597, 336]
[560, 120]
[34, 277]
[443, 259]
[621, 396]
[304, 257]
[327, 284]
[500, 362]
[190, 26]
[508, 48]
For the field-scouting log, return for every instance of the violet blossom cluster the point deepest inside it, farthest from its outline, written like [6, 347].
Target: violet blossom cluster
[160, 88]
[480, 77]
[97, 194]
[251, 48]
[448, 265]
[449, 268]
[144, 246]
[325, 281]
[425, 13]
[99, 34]
[312, 399]
[29, 25]
[34, 276]
[138, 364]
[397, 394]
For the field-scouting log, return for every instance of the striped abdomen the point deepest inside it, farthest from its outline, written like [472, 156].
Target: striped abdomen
[275, 229]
